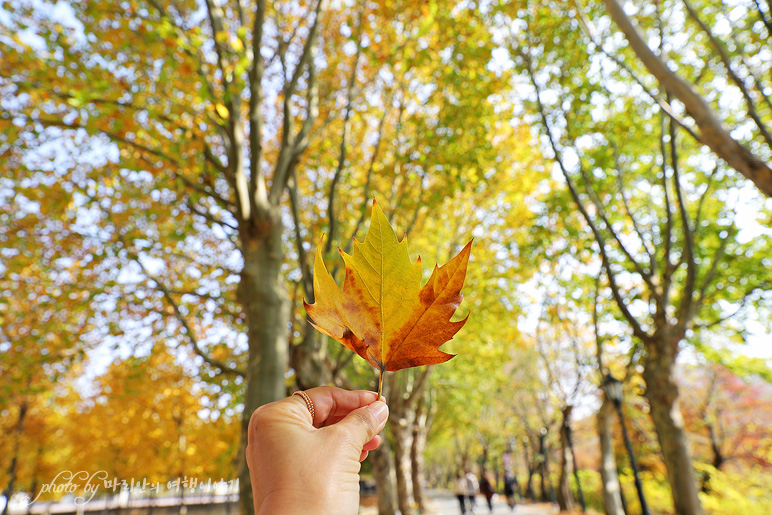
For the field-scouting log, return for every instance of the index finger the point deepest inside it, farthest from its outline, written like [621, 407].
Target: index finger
[332, 404]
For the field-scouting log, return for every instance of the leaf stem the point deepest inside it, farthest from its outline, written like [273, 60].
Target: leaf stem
[380, 383]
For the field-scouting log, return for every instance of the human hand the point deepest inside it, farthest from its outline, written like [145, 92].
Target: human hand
[300, 465]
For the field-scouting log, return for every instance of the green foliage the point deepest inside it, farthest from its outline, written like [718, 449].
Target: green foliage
[742, 366]
[730, 492]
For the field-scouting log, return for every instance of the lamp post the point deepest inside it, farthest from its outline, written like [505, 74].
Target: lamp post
[613, 388]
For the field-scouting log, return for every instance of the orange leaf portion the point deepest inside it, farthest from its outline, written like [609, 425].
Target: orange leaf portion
[383, 313]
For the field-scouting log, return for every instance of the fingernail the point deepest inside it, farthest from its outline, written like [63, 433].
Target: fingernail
[380, 410]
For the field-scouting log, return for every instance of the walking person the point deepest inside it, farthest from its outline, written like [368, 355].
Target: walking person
[510, 487]
[471, 489]
[459, 488]
[486, 488]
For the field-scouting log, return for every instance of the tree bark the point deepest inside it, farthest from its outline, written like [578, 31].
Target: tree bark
[12, 469]
[402, 429]
[309, 360]
[717, 462]
[405, 390]
[420, 431]
[612, 491]
[577, 479]
[383, 470]
[484, 457]
[565, 497]
[713, 133]
[718, 456]
[529, 466]
[265, 300]
[662, 394]
[546, 495]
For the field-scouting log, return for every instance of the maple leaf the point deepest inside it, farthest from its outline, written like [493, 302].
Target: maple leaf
[383, 313]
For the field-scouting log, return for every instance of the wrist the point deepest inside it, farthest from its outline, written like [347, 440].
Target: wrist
[299, 502]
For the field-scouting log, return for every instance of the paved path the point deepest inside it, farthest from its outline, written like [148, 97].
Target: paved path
[443, 502]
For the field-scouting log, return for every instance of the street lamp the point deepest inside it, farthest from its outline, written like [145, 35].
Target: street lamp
[613, 389]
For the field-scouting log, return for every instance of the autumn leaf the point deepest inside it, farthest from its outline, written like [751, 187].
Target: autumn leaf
[383, 313]
[222, 111]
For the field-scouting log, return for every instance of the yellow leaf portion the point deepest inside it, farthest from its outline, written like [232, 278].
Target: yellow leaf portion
[222, 111]
[383, 314]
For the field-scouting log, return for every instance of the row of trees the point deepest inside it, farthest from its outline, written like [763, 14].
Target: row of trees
[169, 166]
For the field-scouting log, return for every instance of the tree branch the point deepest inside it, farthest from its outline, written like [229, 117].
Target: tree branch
[308, 285]
[628, 211]
[596, 329]
[208, 153]
[113, 136]
[687, 299]
[188, 329]
[757, 85]
[714, 135]
[257, 188]
[208, 216]
[711, 273]
[419, 384]
[217, 23]
[366, 193]
[586, 25]
[736, 312]
[646, 276]
[225, 203]
[312, 113]
[342, 151]
[288, 151]
[730, 71]
[698, 216]
[601, 241]
[669, 268]
[181, 32]
[767, 22]
[158, 153]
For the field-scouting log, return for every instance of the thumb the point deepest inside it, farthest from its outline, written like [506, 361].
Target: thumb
[361, 425]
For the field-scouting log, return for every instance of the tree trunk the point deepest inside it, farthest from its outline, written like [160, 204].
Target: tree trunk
[718, 460]
[402, 429]
[546, 495]
[570, 441]
[662, 393]
[405, 392]
[484, 457]
[579, 491]
[718, 456]
[531, 469]
[420, 431]
[383, 471]
[565, 498]
[529, 493]
[309, 360]
[12, 469]
[265, 301]
[612, 492]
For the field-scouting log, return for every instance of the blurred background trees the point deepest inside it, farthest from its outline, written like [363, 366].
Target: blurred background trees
[169, 167]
